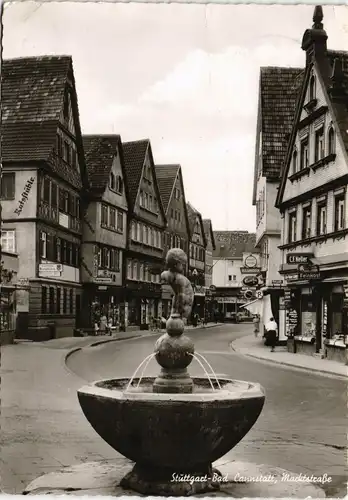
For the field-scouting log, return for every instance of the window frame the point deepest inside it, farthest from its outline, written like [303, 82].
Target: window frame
[339, 212]
[7, 249]
[319, 144]
[292, 227]
[321, 207]
[304, 153]
[306, 218]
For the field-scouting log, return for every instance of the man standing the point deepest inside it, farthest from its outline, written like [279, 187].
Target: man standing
[271, 332]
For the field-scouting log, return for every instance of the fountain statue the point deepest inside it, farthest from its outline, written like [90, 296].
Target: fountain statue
[173, 426]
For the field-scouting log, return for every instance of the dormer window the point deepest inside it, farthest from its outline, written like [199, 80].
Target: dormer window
[331, 141]
[112, 181]
[294, 162]
[312, 89]
[119, 184]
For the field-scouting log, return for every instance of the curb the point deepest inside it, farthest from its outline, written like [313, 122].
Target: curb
[323, 373]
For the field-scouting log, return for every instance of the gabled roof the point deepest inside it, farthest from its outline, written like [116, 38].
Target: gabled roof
[134, 154]
[166, 177]
[208, 230]
[100, 151]
[192, 215]
[279, 88]
[232, 244]
[338, 107]
[32, 97]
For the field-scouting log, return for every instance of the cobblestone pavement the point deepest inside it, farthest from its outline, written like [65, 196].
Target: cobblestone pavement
[302, 427]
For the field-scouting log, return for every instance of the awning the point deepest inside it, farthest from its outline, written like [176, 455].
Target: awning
[254, 307]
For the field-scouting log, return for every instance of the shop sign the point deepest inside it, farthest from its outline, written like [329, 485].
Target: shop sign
[102, 288]
[247, 270]
[308, 273]
[291, 321]
[259, 294]
[24, 195]
[250, 281]
[281, 303]
[226, 300]
[324, 327]
[250, 261]
[23, 282]
[277, 282]
[50, 270]
[104, 273]
[291, 277]
[299, 258]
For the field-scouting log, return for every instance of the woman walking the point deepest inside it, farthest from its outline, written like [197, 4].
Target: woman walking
[256, 321]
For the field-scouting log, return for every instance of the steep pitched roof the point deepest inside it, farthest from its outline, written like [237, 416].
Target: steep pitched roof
[166, 177]
[134, 153]
[279, 88]
[232, 244]
[208, 230]
[192, 215]
[32, 97]
[337, 107]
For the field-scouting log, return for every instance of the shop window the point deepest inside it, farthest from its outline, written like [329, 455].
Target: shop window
[44, 296]
[292, 227]
[319, 151]
[336, 314]
[331, 141]
[71, 301]
[52, 300]
[59, 298]
[321, 219]
[308, 316]
[304, 158]
[339, 222]
[65, 300]
[306, 222]
[8, 241]
[43, 245]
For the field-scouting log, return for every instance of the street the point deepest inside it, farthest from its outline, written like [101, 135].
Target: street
[302, 427]
[303, 424]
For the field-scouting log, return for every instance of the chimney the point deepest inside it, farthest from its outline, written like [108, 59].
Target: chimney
[336, 88]
[314, 39]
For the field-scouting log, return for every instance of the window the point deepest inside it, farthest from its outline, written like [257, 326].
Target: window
[66, 202]
[230, 277]
[46, 188]
[64, 251]
[59, 146]
[234, 277]
[129, 269]
[179, 216]
[141, 272]
[61, 200]
[292, 227]
[58, 250]
[134, 231]
[54, 194]
[71, 300]
[44, 300]
[306, 222]
[304, 160]
[120, 221]
[144, 234]
[67, 153]
[104, 215]
[312, 88]
[8, 185]
[8, 241]
[319, 151]
[321, 219]
[119, 184]
[331, 141]
[339, 223]
[159, 239]
[74, 158]
[112, 181]
[59, 297]
[294, 162]
[65, 300]
[139, 232]
[43, 245]
[52, 300]
[135, 268]
[113, 218]
[172, 213]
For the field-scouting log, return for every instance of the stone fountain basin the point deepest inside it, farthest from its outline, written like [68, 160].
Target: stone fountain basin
[180, 432]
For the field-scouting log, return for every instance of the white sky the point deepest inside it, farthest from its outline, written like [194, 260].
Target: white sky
[185, 76]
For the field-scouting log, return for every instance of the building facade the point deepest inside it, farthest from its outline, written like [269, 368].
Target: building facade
[234, 252]
[104, 234]
[209, 235]
[177, 235]
[312, 200]
[278, 90]
[42, 186]
[146, 225]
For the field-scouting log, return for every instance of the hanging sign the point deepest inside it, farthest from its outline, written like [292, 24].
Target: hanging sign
[248, 270]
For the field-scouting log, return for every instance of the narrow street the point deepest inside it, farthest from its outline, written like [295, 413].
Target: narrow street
[303, 431]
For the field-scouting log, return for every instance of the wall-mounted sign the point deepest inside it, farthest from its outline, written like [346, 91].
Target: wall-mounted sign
[63, 220]
[299, 258]
[259, 294]
[291, 322]
[23, 283]
[226, 300]
[50, 270]
[291, 277]
[247, 270]
[250, 281]
[248, 294]
[104, 273]
[250, 261]
[277, 282]
[281, 304]
[24, 195]
[308, 272]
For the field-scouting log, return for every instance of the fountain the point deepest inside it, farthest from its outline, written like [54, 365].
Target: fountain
[172, 426]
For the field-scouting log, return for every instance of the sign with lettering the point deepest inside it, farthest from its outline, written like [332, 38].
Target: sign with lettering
[308, 272]
[281, 304]
[50, 270]
[247, 270]
[298, 258]
[24, 195]
[250, 281]
[250, 261]
[324, 319]
[277, 282]
[291, 322]
[291, 277]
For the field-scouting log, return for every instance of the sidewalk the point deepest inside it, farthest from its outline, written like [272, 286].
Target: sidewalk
[254, 347]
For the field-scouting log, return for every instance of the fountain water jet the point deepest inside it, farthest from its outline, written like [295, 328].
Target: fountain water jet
[172, 425]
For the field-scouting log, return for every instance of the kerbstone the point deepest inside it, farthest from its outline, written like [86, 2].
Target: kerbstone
[103, 478]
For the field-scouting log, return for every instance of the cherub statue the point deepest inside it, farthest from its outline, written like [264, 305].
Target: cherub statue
[174, 276]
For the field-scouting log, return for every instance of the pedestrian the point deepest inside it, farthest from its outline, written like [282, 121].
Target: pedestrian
[256, 321]
[271, 332]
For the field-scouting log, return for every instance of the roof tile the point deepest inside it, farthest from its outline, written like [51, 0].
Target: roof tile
[166, 176]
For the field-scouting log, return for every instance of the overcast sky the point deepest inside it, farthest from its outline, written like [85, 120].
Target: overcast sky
[185, 76]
